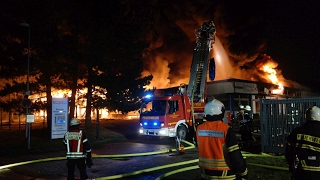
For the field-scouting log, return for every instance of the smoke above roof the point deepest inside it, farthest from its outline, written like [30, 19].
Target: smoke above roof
[239, 49]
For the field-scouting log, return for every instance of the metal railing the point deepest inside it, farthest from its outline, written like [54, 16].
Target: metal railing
[279, 117]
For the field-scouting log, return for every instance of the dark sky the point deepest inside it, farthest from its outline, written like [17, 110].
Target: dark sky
[287, 31]
[293, 40]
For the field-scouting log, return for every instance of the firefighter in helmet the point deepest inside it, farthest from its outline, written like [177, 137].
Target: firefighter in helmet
[219, 153]
[302, 150]
[246, 126]
[248, 116]
[238, 118]
[78, 150]
[240, 114]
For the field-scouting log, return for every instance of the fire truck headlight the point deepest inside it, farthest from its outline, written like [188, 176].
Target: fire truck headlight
[162, 132]
[162, 124]
[140, 131]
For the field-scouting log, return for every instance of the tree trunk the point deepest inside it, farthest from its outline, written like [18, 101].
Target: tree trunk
[49, 103]
[89, 99]
[73, 96]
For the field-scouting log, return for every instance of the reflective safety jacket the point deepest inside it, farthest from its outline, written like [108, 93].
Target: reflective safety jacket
[77, 144]
[303, 150]
[219, 153]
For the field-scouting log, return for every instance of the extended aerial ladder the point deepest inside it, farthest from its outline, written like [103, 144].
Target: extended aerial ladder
[200, 62]
[196, 90]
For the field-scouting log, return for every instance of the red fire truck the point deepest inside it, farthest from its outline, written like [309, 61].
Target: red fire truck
[175, 112]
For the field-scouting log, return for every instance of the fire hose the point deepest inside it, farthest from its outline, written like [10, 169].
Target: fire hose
[117, 156]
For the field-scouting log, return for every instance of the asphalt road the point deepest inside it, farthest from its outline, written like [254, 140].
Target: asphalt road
[138, 158]
[144, 144]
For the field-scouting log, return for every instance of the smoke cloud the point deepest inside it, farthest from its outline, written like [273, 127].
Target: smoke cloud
[239, 48]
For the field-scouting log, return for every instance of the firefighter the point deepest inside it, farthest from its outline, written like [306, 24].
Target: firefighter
[78, 150]
[239, 117]
[204, 30]
[302, 150]
[246, 126]
[219, 153]
[248, 116]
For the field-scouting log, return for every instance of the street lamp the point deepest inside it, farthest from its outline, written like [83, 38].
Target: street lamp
[28, 26]
[28, 74]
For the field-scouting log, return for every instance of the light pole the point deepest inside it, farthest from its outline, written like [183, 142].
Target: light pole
[28, 26]
[28, 74]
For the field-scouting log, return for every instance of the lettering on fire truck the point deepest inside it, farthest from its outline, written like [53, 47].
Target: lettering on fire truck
[150, 117]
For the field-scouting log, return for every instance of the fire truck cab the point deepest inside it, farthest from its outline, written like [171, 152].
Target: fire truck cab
[164, 114]
[175, 112]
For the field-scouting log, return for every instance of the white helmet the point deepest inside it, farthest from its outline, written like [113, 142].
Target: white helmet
[214, 107]
[241, 107]
[313, 114]
[247, 108]
[74, 122]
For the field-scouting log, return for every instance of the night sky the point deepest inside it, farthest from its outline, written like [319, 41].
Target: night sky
[293, 40]
[284, 32]
[287, 31]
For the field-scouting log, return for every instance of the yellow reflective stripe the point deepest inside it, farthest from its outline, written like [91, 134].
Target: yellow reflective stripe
[309, 168]
[233, 148]
[211, 160]
[231, 177]
[308, 138]
[224, 173]
[213, 163]
[308, 146]
[213, 166]
[244, 173]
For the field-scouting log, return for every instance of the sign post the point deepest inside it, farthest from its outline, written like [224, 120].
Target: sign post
[59, 124]
[29, 120]
[26, 103]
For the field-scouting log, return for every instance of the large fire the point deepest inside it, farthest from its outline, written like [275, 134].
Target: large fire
[272, 75]
[264, 69]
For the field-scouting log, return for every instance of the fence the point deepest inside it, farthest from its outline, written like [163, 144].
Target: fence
[279, 117]
[14, 121]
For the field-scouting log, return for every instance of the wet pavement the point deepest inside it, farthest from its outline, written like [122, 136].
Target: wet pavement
[106, 167]
[136, 158]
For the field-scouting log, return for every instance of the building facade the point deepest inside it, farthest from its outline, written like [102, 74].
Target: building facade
[235, 92]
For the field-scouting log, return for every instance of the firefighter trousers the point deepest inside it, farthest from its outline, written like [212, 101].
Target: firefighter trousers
[81, 165]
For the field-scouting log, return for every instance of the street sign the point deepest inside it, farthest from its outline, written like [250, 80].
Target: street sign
[26, 103]
[30, 118]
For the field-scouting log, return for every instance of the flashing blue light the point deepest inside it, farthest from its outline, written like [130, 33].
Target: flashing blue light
[145, 123]
[155, 123]
[148, 96]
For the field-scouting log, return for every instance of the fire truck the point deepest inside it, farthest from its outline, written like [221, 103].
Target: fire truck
[176, 111]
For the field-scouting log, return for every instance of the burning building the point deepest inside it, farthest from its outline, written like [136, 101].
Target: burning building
[244, 71]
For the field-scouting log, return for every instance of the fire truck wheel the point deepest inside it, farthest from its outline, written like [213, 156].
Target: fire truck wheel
[182, 132]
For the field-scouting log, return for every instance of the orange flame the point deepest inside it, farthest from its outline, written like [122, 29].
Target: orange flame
[272, 76]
